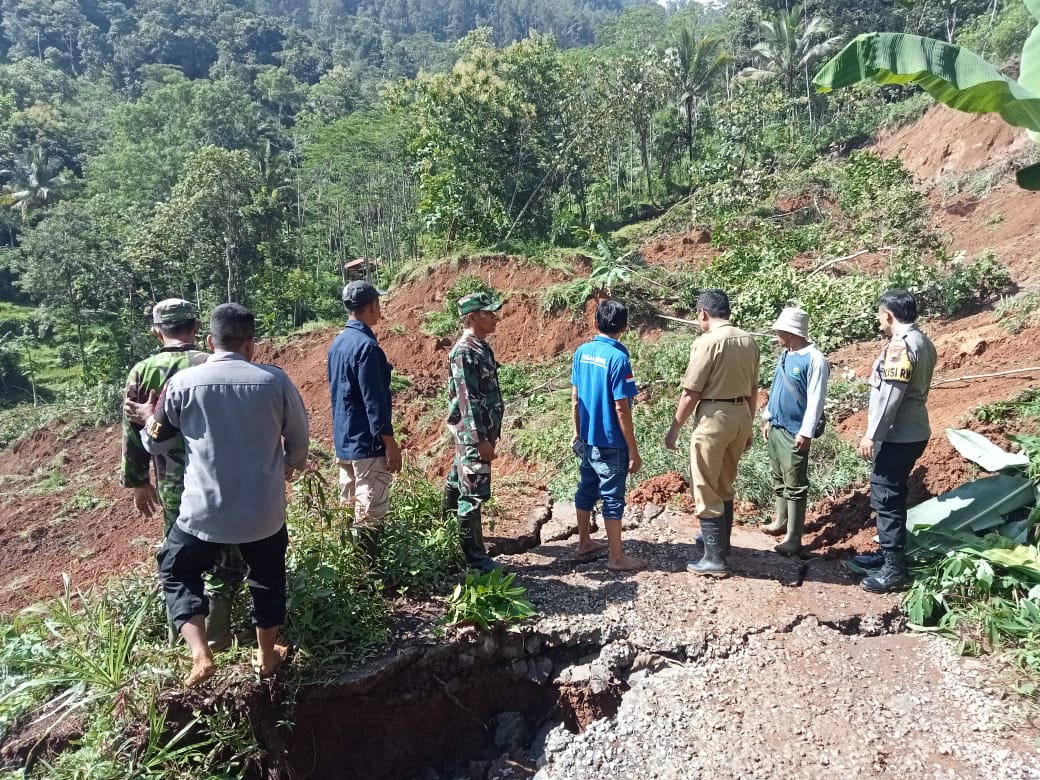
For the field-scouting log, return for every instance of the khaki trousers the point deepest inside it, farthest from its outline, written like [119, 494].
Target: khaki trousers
[720, 431]
[365, 483]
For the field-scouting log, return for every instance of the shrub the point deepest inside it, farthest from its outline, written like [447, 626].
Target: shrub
[446, 321]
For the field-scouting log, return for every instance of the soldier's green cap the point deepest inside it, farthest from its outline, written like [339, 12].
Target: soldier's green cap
[478, 301]
[173, 310]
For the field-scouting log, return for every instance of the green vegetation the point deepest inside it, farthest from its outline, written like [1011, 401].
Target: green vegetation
[979, 581]
[1019, 311]
[951, 74]
[488, 599]
[103, 659]
[447, 322]
[248, 150]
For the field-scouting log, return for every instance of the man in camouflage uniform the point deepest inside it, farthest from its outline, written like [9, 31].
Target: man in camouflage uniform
[175, 324]
[475, 418]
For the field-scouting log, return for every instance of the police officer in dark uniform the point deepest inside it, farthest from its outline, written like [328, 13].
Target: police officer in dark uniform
[897, 433]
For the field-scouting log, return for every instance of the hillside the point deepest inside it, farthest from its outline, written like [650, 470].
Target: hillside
[65, 512]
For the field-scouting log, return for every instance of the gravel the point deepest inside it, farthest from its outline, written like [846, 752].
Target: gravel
[748, 677]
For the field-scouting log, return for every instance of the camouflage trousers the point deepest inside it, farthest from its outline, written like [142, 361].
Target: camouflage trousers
[472, 479]
[229, 571]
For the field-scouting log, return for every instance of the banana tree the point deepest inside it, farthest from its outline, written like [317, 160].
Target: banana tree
[951, 74]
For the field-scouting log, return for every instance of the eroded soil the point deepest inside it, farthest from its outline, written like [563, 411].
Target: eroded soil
[63, 511]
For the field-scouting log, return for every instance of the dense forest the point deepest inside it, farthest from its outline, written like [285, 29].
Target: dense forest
[246, 149]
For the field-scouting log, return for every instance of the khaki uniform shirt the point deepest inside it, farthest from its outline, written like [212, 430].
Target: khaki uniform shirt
[899, 385]
[723, 364]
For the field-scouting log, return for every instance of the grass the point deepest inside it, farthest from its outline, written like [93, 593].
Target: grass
[1016, 313]
[101, 656]
[1024, 405]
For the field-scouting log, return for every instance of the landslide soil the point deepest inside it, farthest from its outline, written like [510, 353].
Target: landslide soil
[63, 510]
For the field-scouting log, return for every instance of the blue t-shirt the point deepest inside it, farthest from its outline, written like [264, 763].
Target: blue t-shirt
[602, 374]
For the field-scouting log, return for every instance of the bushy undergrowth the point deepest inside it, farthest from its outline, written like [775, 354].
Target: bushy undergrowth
[446, 321]
[1018, 312]
[77, 408]
[103, 658]
[982, 610]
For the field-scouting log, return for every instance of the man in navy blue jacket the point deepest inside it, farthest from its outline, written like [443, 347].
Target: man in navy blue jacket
[359, 382]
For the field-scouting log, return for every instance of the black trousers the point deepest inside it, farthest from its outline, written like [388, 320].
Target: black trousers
[893, 463]
[184, 558]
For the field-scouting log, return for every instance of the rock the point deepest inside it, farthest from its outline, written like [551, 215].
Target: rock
[510, 730]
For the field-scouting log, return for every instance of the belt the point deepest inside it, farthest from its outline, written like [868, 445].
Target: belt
[740, 400]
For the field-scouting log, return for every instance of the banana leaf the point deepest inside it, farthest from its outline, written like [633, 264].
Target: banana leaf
[974, 506]
[1023, 559]
[978, 449]
[1017, 531]
[952, 75]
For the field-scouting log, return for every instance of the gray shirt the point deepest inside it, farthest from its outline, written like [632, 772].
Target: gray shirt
[899, 385]
[234, 416]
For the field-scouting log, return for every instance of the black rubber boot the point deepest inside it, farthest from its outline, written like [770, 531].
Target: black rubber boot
[727, 517]
[218, 623]
[368, 540]
[792, 543]
[891, 577]
[713, 563]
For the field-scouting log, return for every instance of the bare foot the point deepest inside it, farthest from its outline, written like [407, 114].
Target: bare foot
[590, 548]
[266, 667]
[627, 563]
[202, 669]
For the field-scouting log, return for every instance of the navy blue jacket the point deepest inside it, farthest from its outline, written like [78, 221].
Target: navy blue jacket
[359, 384]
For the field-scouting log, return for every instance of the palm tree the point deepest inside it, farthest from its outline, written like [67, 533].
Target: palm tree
[40, 186]
[788, 46]
[699, 64]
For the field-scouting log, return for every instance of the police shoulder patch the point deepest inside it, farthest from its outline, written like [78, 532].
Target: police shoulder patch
[897, 366]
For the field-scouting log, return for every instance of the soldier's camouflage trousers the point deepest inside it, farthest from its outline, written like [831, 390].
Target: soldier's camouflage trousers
[472, 479]
[225, 579]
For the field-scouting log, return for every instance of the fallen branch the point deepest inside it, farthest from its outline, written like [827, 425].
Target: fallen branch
[986, 376]
[854, 255]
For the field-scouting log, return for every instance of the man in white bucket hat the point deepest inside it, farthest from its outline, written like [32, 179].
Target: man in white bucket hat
[789, 423]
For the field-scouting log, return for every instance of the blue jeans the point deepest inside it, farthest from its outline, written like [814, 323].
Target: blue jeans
[602, 475]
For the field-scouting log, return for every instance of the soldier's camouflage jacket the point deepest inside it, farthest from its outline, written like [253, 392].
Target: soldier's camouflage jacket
[475, 404]
[152, 373]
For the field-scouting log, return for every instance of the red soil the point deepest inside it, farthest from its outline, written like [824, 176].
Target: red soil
[44, 533]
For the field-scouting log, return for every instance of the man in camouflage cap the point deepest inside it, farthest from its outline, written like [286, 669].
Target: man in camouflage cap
[475, 411]
[175, 324]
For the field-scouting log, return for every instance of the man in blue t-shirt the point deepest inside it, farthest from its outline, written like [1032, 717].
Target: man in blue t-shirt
[602, 388]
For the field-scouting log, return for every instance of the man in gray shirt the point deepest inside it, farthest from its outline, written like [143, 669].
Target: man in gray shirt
[897, 433]
[234, 416]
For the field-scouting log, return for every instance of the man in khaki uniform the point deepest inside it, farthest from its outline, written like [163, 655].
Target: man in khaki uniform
[720, 390]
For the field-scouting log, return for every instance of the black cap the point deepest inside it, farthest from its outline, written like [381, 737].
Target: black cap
[358, 293]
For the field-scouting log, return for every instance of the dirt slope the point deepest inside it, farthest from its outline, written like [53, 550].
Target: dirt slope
[50, 527]
[83, 523]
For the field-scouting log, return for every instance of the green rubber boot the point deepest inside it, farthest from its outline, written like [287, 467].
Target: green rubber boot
[792, 543]
[778, 525]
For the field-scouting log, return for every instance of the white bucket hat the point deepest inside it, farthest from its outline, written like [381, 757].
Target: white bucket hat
[793, 320]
